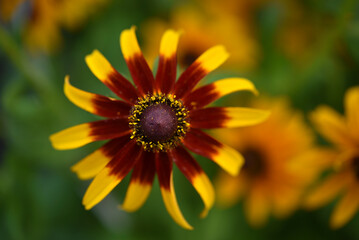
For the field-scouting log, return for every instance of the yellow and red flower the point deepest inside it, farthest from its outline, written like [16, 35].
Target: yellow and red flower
[278, 164]
[154, 123]
[343, 132]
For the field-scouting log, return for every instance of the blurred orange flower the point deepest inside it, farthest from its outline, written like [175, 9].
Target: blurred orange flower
[343, 132]
[300, 30]
[277, 154]
[43, 27]
[203, 30]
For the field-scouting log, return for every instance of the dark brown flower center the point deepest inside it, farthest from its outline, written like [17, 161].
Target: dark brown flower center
[188, 58]
[158, 122]
[254, 162]
[355, 165]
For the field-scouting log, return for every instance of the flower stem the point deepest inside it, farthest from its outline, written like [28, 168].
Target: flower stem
[34, 78]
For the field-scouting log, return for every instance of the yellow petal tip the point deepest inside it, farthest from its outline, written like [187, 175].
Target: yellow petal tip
[213, 58]
[129, 43]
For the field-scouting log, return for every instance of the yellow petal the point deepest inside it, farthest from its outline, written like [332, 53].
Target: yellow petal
[169, 43]
[94, 103]
[229, 159]
[100, 187]
[256, 206]
[285, 199]
[226, 157]
[136, 195]
[129, 44]
[205, 95]
[332, 126]
[72, 137]
[91, 165]
[104, 71]
[352, 111]
[241, 117]
[326, 191]
[99, 65]
[230, 85]
[170, 201]
[229, 189]
[205, 189]
[212, 58]
[80, 98]
[346, 208]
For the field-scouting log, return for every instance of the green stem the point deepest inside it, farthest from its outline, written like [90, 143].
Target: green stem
[14, 54]
[36, 80]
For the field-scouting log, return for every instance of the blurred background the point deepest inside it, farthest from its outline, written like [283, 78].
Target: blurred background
[306, 51]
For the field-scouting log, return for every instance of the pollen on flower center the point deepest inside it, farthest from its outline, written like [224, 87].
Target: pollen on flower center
[158, 122]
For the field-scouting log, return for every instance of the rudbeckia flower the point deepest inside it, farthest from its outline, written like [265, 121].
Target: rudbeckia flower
[155, 124]
[343, 132]
[275, 173]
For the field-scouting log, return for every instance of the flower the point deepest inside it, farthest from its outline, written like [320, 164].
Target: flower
[7, 8]
[343, 132]
[300, 32]
[275, 173]
[47, 17]
[203, 31]
[153, 124]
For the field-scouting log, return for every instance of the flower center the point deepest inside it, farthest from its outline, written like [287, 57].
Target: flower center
[158, 122]
[254, 163]
[355, 165]
[188, 58]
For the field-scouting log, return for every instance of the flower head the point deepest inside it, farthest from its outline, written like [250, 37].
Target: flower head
[275, 173]
[154, 124]
[343, 132]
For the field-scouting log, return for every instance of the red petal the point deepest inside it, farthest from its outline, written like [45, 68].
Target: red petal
[110, 108]
[141, 73]
[145, 169]
[164, 170]
[109, 128]
[121, 87]
[125, 159]
[213, 117]
[201, 97]
[189, 79]
[201, 143]
[185, 162]
[166, 73]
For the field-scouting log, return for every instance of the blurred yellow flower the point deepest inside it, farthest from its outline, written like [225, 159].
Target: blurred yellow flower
[7, 7]
[241, 9]
[299, 32]
[343, 132]
[202, 31]
[277, 154]
[48, 17]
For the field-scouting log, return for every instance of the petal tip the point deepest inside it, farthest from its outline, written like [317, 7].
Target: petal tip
[54, 142]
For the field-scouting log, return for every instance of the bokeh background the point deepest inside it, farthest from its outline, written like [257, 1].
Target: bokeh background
[305, 50]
